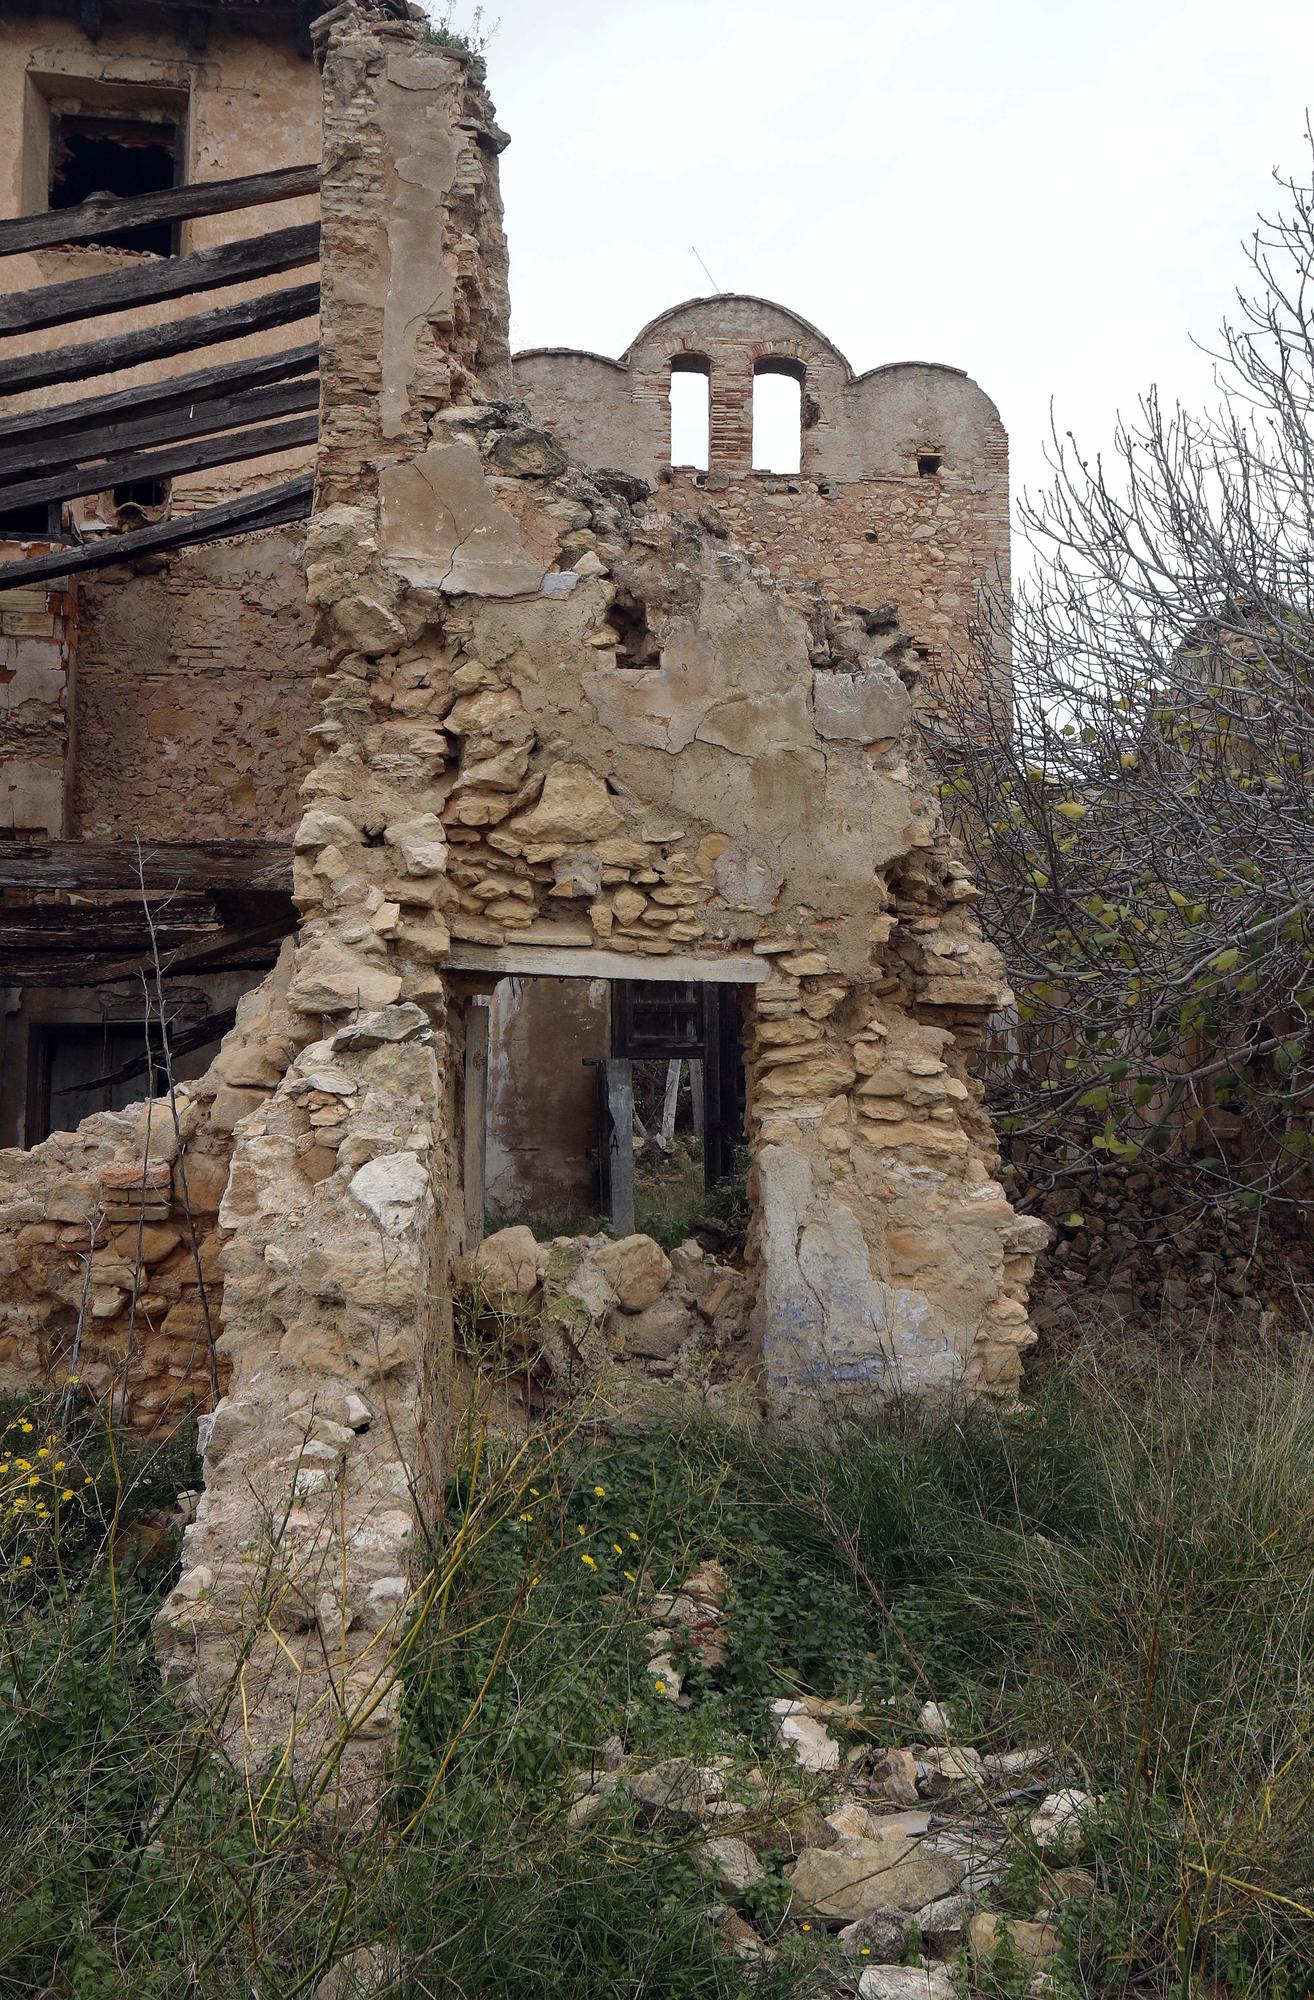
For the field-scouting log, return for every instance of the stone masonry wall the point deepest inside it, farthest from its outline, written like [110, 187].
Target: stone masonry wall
[493, 766]
[38, 657]
[194, 694]
[864, 517]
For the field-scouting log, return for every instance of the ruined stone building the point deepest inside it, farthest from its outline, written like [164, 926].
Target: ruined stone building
[352, 673]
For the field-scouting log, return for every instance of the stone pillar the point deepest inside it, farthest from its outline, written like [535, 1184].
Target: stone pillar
[38, 650]
[322, 1460]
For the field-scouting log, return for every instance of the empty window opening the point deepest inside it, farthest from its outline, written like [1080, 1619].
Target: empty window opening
[929, 463]
[777, 418]
[691, 412]
[114, 156]
[38, 523]
[142, 496]
[635, 645]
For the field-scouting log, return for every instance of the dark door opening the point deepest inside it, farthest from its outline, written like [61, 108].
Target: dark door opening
[77, 1068]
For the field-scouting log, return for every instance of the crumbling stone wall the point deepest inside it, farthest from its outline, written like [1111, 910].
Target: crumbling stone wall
[194, 701]
[494, 772]
[38, 652]
[109, 1243]
[864, 517]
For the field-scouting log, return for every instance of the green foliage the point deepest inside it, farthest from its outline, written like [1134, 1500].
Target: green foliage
[1129, 1581]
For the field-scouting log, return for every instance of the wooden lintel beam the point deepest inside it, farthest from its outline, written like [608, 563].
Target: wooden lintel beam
[196, 456]
[86, 358]
[251, 511]
[202, 417]
[160, 278]
[100, 215]
[245, 865]
[36, 428]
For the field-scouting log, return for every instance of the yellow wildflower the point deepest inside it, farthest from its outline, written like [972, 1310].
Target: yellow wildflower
[660, 1686]
[630, 1577]
[67, 1494]
[526, 1517]
[26, 1563]
[588, 1562]
[619, 1550]
[580, 1529]
[633, 1536]
[601, 1492]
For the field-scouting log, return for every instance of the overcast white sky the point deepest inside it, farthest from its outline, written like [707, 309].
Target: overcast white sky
[1048, 194]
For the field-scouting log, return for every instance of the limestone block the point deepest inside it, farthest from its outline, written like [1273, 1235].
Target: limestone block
[390, 1188]
[906, 1982]
[574, 808]
[1035, 1944]
[658, 1332]
[421, 844]
[895, 1868]
[331, 980]
[506, 1264]
[808, 1738]
[636, 1268]
[367, 624]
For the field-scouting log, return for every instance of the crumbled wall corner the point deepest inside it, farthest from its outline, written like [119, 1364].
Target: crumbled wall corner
[109, 1235]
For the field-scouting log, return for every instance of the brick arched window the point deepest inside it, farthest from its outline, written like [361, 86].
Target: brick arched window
[691, 410]
[778, 414]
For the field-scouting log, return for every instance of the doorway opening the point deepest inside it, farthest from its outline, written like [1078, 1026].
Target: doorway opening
[611, 1104]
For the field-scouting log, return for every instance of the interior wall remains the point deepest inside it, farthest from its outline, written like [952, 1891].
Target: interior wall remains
[247, 104]
[866, 517]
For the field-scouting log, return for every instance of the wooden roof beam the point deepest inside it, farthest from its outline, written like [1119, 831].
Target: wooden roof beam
[49, 227]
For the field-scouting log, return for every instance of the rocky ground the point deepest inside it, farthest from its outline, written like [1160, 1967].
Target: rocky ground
[892, 1852]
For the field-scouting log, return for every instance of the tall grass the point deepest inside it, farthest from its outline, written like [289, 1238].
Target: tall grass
[1125, 1576]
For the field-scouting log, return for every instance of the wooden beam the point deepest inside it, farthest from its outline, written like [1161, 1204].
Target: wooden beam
[100, 214]
[164, 864]
[230, 449]
[267, 509]
[226, 951]
[85, 927]
[589, 962]
[160, 278]
[107, 442]
[474, 1117]
[155, 343]
[36, 428]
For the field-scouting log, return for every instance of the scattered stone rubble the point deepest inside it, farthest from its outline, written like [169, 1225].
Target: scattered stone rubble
[621, 1324]
[893, 1850]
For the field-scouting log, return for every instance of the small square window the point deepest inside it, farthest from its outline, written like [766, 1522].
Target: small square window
[928, 463]
[97, 155]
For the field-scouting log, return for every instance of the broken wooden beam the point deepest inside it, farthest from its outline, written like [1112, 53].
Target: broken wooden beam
[161, 278]
[201, 417]
[35, 429]
[99, 215]
[229, 449]
[85, 927]
[155, 343]
[157, 864]
[269, 508]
